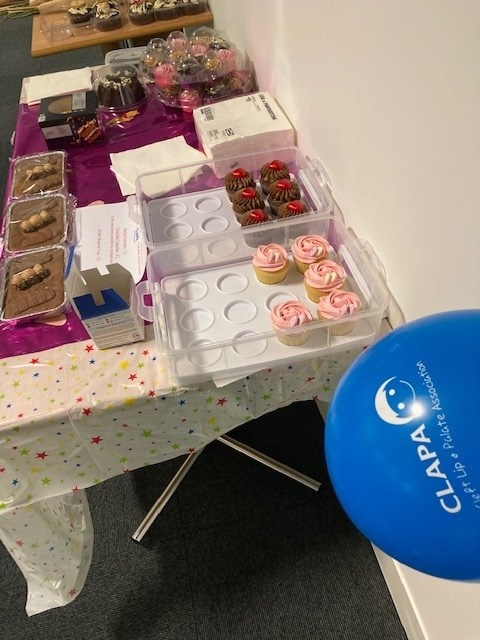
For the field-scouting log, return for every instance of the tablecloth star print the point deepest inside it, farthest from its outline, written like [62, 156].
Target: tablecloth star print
[157, 421]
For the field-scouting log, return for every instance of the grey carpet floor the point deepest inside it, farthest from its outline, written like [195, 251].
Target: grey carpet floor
[240, 552]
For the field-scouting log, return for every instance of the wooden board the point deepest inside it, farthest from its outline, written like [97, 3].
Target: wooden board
[65, 38]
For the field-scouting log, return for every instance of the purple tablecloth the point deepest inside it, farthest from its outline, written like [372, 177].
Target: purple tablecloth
[89, 179]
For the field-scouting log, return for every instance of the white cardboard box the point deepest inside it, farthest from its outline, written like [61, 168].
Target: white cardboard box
[107, 305]
[239, 126]
[109, 261]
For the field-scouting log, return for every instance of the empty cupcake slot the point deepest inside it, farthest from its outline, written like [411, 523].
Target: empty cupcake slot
[222, 248]
[178, 231]
[232, 283]
[215, 225]
[201, 355]
[192, 290]
[249, 344]
[197, 319]
[278, 297]
[183, 255]
[240, 311]
[173, 210]
[208, 204]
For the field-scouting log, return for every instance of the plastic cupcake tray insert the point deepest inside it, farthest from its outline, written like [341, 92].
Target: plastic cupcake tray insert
[212, 317]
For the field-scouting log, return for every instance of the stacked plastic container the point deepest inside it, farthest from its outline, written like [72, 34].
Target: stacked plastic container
[211, 315]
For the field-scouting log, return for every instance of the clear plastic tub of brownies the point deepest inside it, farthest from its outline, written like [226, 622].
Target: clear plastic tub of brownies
[39, 222]
[33, 285]
[39, 174]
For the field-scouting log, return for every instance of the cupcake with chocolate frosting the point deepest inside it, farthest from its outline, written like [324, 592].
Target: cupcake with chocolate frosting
[271, 172]
[237, 179]
[291, 210]
[282, 191]
[141, 12]
[107, 15]
[245, 200]
[79, 12]
[257, 218]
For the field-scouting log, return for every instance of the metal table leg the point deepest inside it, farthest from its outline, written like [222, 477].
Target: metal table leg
[165, 496]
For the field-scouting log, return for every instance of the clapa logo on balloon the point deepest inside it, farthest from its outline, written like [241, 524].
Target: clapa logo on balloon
[395, 402]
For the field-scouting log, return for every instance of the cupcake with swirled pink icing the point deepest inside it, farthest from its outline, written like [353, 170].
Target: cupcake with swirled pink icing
[322, 277]
[339, 304]
[308, 249]
[270, 263]
[290, 315]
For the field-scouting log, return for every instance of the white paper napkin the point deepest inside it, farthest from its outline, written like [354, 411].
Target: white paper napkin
[158, 156]
[56, 84]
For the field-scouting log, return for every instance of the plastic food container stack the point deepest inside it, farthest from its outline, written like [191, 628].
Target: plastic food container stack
[211, 316]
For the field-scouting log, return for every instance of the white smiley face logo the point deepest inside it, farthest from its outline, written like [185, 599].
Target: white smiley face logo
[396, 403]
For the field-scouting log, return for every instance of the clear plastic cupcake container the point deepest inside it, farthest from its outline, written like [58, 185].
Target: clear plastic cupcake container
[209, 311]
[202, 69]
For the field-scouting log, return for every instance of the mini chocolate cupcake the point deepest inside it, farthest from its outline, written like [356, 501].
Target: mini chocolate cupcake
[237, 179]
[282, 191]
[293, 209]
[257, 217]
[271, 172]
[107, 15]
[192, 7]
[79, 12]
[141, 12]
[245, 200]
[166, 10]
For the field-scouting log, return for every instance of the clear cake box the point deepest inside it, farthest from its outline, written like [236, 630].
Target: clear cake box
[190, 201]
[211, 316]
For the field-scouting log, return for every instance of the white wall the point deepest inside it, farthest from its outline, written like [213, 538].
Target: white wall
[386, 93]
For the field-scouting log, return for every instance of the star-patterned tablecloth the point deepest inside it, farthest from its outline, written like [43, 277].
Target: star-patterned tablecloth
[74, 416]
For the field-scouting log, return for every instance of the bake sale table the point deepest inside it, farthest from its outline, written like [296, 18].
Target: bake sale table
[72, 416]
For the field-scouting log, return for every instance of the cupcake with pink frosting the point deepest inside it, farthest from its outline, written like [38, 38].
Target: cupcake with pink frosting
[270, 263]
[322, 277]
[339, 304]
[289, 315]
[308, 249]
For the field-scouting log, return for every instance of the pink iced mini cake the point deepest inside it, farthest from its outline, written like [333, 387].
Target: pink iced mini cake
[322, 277]
[270, 263]
[339, 304]
[289, 315]
[308, 249]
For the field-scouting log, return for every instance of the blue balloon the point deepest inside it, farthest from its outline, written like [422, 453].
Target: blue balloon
[402, 444]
